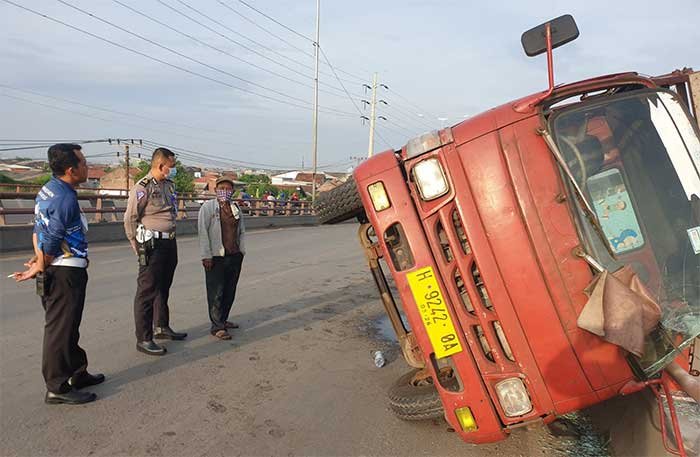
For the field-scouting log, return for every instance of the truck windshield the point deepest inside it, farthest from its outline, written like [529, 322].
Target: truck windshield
[636, 158]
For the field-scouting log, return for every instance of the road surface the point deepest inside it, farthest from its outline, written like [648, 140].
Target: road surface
[297, 378]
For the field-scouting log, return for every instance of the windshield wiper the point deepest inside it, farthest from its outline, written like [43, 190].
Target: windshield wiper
[588, 211]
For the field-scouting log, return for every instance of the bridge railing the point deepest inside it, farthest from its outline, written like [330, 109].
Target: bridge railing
[17, 207]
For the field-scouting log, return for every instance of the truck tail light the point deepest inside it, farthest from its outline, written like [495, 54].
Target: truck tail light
[377, 193]
[430, 179]
[466, 419]
[513, 397]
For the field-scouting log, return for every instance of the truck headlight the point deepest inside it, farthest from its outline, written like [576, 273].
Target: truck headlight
[377, 192]
[430, 179]
[513, 397]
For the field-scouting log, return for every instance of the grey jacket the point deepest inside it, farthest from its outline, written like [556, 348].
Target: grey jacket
[209, 227]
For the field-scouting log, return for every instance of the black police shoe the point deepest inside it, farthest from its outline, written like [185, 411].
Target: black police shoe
[72, 397]
[85, 379]
[166, 333]
[150, 348]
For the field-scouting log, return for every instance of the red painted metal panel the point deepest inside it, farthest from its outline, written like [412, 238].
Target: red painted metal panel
[516, 277]
[537, 183]
[474, 395]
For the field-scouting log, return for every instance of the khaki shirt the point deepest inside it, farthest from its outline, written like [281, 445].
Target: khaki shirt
[153, 204]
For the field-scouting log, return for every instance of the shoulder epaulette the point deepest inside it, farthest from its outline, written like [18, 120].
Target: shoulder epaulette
[143, 181]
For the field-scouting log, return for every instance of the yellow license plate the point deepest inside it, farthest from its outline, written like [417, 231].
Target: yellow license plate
[433, 311]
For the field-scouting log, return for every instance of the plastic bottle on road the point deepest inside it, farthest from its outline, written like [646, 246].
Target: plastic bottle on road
[379, 360]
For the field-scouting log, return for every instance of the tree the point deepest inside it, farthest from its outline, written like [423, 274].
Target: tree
[6, 179]
[255, 179]
[184, 181]
[41, 180]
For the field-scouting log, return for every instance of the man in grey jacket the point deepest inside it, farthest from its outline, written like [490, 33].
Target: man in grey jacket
[221, 246]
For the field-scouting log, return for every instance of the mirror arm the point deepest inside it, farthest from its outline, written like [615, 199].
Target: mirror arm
[529, 104]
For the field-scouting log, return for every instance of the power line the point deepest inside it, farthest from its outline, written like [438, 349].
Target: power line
[113, 111]
[267, 70]
[216, 158]
[191, 152]
[92, 116]
[309, 39]
[409, 132]
[392, 110]
[177, 67]
[180, 54]
[276, 21]
[41, 146]
[244, 17]
[284, 26]
[413, 104]
[338, 78]
[224, 26]
[204, 43]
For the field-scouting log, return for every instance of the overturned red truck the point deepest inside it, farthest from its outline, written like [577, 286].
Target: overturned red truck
[506, 234]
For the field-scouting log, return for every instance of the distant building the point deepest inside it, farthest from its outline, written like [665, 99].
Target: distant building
[116, 179]
[95, 174]
[19, 172]
[297, 178]
[207, 183]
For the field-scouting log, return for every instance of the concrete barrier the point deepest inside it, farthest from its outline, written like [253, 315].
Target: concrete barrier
[19, 237]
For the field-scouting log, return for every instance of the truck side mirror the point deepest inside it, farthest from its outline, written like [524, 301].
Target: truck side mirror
[563, 30]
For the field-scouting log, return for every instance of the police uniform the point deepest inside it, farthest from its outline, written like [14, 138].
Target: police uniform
[150, 220]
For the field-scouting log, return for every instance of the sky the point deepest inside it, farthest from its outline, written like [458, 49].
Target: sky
[243, 87]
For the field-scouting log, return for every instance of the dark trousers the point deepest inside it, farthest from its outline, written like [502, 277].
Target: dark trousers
[153, 289]
[221, 282]
[63, 302]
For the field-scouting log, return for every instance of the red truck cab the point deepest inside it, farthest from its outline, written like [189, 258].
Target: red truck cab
[495, 229]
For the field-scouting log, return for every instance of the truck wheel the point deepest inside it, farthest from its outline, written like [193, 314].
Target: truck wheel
[414, 401]
[339, 204]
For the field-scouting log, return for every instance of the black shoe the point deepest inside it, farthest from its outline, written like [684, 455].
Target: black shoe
[86, 379]
[150, 348]
[72, 397]
[166, 333]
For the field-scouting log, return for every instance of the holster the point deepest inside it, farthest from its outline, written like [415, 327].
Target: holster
[41, 284]
[145, 249]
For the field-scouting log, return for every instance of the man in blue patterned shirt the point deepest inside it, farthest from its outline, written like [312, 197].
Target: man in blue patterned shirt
[60, 266]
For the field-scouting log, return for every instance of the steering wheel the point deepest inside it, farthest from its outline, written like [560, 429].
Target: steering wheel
[579, 158]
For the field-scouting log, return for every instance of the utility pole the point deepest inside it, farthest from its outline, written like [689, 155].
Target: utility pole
[372, 116]
[126, 166]
[317, 50]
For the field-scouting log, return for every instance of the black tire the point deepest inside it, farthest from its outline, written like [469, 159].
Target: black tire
[412, 402]
[339, 204]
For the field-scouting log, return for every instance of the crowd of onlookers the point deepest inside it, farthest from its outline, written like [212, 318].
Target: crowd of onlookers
[276, 204]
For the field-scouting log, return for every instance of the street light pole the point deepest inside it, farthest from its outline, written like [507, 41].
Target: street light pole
[315, 123]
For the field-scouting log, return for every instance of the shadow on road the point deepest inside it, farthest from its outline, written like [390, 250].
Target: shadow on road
[255, 326]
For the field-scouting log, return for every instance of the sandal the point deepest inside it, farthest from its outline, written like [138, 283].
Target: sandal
[231, 325]
[222, 335]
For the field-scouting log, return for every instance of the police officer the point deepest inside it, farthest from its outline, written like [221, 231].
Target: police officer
[149, 223]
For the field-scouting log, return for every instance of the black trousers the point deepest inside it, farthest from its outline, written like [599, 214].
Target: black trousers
[63, 302]
[153, 289]
[221, 282]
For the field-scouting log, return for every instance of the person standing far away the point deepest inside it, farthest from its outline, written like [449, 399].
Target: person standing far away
[221, 244]
[149, 223]
[60, 266]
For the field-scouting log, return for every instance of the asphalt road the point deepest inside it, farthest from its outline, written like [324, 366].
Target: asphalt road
[297, 378]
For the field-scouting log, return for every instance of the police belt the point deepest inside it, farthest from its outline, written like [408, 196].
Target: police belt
[160, 235]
